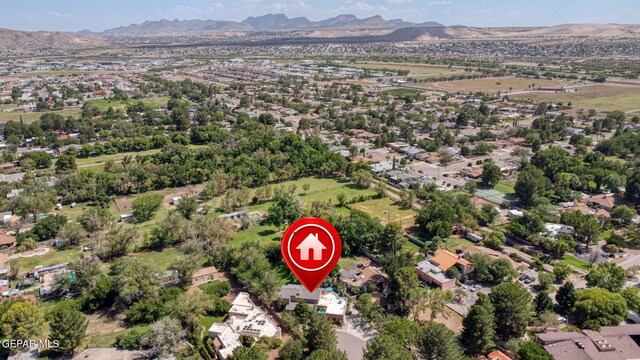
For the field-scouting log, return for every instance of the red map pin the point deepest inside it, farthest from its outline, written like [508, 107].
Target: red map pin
[311, 248]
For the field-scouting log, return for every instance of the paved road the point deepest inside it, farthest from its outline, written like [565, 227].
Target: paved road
[350, 344]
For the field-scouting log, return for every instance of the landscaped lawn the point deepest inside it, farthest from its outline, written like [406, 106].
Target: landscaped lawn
[575, 262]
[207, 321]
[505, 188]
[455, 242]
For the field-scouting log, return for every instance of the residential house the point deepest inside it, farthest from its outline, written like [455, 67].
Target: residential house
[363, 278]
[498, 355]
[7, 240]
[4, 265]
[610, 343]
[205, 275]
[433, 270]
[553, 230]
[494, 255]
[326, 301]
[244, 319]
[604, 201]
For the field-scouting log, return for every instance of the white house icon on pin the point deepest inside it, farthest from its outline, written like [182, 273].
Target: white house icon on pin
[311, 242]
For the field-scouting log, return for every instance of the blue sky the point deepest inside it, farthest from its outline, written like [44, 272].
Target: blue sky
[97, 15]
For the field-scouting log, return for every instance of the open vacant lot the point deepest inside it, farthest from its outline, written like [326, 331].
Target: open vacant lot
[503, 84]
[154, 102]
[385, 209]
[414, 69]
[602, 97]
[30, 117]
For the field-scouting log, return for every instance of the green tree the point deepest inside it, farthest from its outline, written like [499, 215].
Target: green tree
[323, 354]
[478, 327]
[401, 286]
[632, 296]
[319, 334]
[491, 174]
[531, 183]
[362, 179]
[543, 302]
[598, 307]
[66, 163]
[386, 347]
[144, 206]
[68, 326]
[187, 206]
[436, 341]
[623, 214]
[23, 320]
[184, 267]
[561, 271]
[436, 219]
[292, 350]
[530, 350]
[607, 276]
[566, 296]
[513, 310]
[471, 187]
[134, 280]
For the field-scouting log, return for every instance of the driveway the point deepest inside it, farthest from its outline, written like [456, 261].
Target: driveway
[350, 344]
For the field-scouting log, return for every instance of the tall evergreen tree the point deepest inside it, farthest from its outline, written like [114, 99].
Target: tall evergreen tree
[513, 310]
[68, 326]
[566, 296]
[386, 347]
[438, 342]
[543, 302]
[319, 334]
[479, 327]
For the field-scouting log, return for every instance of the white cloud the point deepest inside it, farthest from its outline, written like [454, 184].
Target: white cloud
[440, 2]
[399, 1]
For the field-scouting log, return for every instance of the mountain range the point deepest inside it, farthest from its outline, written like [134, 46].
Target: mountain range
[269, 22]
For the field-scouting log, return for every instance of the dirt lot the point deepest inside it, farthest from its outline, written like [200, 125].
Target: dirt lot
[184, 191]
[450, 319]
[504, 84]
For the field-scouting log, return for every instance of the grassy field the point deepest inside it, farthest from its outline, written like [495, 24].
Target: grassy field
[503, 84]
[455, 242]
[414, 69]
[505, 188]
[81, 162]
[53, 257]
[577, 263]
[602, 97]
[378, 208]
[33, 116]
[108, 340]
[154, 102]
[161, 260]
[401, 92]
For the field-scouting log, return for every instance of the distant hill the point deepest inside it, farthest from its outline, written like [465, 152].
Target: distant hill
[25, 40]
[269, 22]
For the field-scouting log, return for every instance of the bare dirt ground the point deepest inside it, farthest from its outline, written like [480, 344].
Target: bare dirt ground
[450, 319]
[188, 190]
[104, 322]
[32, 253]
